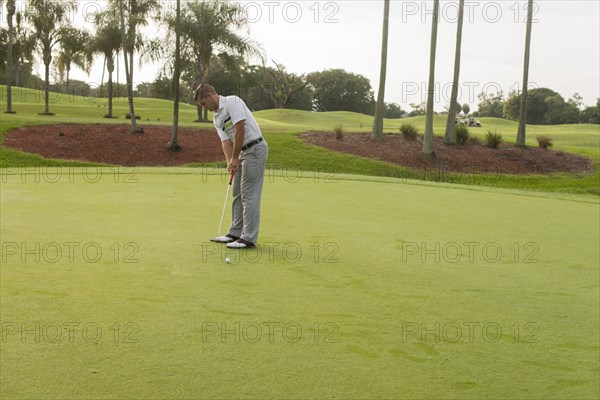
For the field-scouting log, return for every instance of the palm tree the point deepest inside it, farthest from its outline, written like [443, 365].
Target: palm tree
[132, 15]
[22, 48]
[380, 108]
[207, 25]
[107, 42]
[49, 19]
[75, 49]
[454, 106]
[523, 114]
[428, 136]
[10, 11]
[173, 144]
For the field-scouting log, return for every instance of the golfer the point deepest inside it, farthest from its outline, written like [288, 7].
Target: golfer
[246, 154]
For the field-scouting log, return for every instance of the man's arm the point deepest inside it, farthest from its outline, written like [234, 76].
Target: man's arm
[227, 150]
[238, 142]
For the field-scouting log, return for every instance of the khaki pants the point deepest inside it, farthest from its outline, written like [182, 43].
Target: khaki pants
[247, 190]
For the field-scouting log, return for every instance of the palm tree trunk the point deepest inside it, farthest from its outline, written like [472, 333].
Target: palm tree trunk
[126, 51]
[380, 108]
[10, 7]
[450, 124]
[523, 113]
[102, 78]
[428, 137]
[46, 87]
[201, 73]
[174, 145]
[111, 67]
[17, 73]
[68, 72]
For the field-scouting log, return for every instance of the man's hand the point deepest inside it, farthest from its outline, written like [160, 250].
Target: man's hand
[233, 165]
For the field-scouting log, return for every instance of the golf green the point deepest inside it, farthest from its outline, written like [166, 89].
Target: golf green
[360, 288]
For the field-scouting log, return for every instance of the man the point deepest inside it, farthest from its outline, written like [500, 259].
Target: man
[246, 154]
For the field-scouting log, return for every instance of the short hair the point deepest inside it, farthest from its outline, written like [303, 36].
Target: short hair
[203, 91]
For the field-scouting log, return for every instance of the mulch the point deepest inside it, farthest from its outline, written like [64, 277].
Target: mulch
[468, 158]
[116, 145]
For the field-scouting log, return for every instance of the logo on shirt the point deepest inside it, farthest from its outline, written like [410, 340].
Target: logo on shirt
[227, 126]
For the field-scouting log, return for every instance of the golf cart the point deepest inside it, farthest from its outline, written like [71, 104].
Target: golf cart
[473, 122]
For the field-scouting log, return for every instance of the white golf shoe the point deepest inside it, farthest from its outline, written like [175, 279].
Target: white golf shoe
[240, 244]
[224, 239]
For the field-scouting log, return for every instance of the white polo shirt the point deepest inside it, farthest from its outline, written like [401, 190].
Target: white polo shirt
[232, 110]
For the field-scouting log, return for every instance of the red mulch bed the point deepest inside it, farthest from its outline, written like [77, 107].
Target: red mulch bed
[115, 144]
[471, 157]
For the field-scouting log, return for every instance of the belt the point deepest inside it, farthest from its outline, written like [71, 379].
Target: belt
[252, 143]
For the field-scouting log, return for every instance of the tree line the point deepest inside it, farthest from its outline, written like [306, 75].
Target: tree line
[207, 42]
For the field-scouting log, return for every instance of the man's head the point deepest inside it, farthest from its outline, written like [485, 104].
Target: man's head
[207, 97]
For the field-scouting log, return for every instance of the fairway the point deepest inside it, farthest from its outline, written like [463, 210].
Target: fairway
[361, 288]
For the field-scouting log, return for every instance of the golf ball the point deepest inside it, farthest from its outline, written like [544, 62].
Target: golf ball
[227, 260]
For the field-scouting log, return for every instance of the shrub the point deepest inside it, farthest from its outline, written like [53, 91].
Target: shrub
[461, 134]
[409, 132]
[493, 139]
[339, 132]
[544, 141]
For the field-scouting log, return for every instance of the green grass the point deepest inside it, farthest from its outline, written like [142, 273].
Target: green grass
[282, 127]
[378, 273]
[400, 280]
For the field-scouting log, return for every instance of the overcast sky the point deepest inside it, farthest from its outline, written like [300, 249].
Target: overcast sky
[312, 35]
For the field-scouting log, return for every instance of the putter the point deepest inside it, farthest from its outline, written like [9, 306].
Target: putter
[225, 204]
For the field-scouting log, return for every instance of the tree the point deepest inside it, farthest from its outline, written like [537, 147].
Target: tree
[544, 106]
[285, 86]
[428, 136]
[132, 15]
[591, 114]
[173, 145]
[107, 41]
[50, 20]
[393, 111]
[265, 87]
[226, 75]
[210, 25]
[23, 46]
[576, 100]
[10, 12]
[338, 90]
[491, 105]
[380, 108]
[466, 108]
[450, 124]
[75, 49]
[523, 114]
[418, 109]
